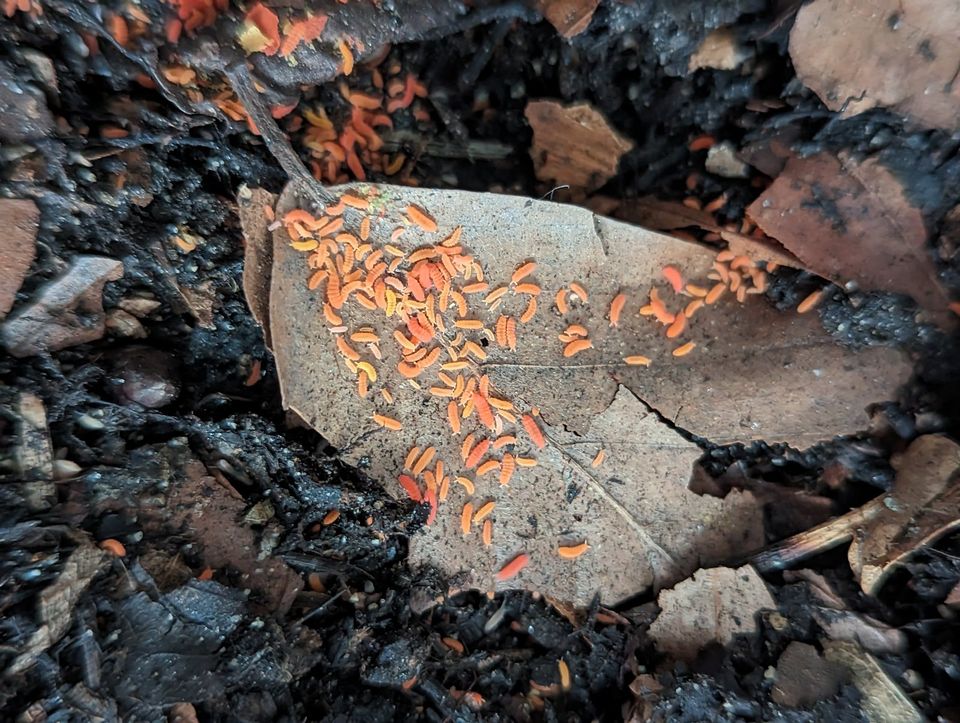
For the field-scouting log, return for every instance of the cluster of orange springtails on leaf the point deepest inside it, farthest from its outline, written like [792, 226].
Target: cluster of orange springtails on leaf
[364, 258]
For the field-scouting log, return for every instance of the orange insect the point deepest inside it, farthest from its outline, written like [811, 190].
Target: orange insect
[531, 289]
[331, 517]
[421, 219]
[677, 327]
[487, 534]
[530, 311]
[637, 360]
[598, 459]
[489, 466]
[570, 552]
[579, 291]
[484, 511]
[513, 568]
[424, 460]
[577, 346]
[476, 454]
[672, 274]
[810, 302]
[453, 416]
[616, 307]
[507, 465]
[511, 333]
[565, 680]
[114, 547]
[561, 301]
[715, 293]
[466, 517]
[410, 487]
[431, 499]
[393, 425]
[685, 349]
[411, 457]
[533, 431]
[522, 272]
[484, 413]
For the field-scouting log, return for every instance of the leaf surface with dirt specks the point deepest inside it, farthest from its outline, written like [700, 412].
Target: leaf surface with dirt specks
[755, 373]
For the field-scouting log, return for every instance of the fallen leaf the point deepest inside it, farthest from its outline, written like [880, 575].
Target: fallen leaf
[569, 17]
[898, 54]
[923, 504]
[882, 699]
[68, 310]
[642, 524]
[573, 144]
[851, 221]
[712, 606]
[17, 247]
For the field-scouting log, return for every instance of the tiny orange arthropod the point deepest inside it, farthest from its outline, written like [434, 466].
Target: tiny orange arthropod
[531, 289]
[410, 487]
[561, 301]
[466, 446]
[421, 218]
[500, 333]
[467, 484]
[513, 567]
[577, 346]
[484, 413]
[810, 302]
[331, 517]
[411, 456]
[598, 459]
[715, 293]
[466, 517]
[511, 333]
[685, 349]
[425, 459]
[677, 327]
[570, 552]
[616, 307]
[477, 453]
[672, 274]
[507, 465]
[580, 292]
[529, 312]
[489, 466]
[487, 534]
[484, 511]
[453, 416]
[387, 422]
[523, 271]
[348, 351]
[637, 360]
[114, 547]
[533, 430]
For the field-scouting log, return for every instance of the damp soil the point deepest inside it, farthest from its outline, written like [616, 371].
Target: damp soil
[349, 631]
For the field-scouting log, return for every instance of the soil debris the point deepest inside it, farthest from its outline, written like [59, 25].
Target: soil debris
[17, 247]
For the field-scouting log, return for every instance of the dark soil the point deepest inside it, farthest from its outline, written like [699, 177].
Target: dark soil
[366, 642]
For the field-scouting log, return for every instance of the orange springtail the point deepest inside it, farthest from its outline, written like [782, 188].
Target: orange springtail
[570, 552]
[561, 301]
[477, 453]
[507, 465]
[410, 487]
[685, 349]
[513, 568]
[579, 291]
[331, 517]
[616, 307]
[387, 422]
[677, 327]
[810, 302]
[489, 466]
[484, 412]
[531, 289]
[484, 511]
[533, 431]
[466, 517]
[523, 271]
[453, 416]
[637, 360]
[715, 293]
[529, 312]
[598, 459]
[421, 219]
[487, 534]
[424, 460]
[574, 347]
[672, 274]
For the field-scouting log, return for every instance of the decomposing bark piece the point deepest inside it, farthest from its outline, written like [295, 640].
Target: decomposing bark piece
[67, 311]
[804, 677]
[24, 115]
[257, 254]
[882, 699]
[33, 455]
[851, 221]
[923, 505]
[569, 17]
[712, 606]
[17, 247]
[751, 363]
[899, 54]
[719, 50]
[55, 604]
[573, 144]
[671, 215]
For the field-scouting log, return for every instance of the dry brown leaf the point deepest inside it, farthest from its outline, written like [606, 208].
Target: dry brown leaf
[900, 54]
[17, 247]
[569, 17]
[573, 144]
[882, 699]
[712, 606]
[755, 373]
[851, 221]
[924, 504]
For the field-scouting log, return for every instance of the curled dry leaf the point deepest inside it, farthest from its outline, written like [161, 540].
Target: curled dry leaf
[851, 221]
[923, 505]
[573, 144]
[711, 607]
[899, 54]
[552, 391]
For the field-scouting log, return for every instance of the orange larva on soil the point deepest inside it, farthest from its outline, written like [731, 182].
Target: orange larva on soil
[523, 271]
[598, 459]
[421, 218]
[513, 568]
[566, 682]
[526, 462]
[487, 534]
[715, 293]
[484, 413]
[810, 302]
[531, 289]
[316, 279]
[695, 290]
[533, 430]
[476, 454]
[691, 308]
[466, 446]
[500, 331]
[637, 360]
[576, 330]
[685, 349]
[331, 316]
[365, 229]
[331, 517]
[530, 311]
[114, 547]
[362, 384]
[677, 327]
[571, 552]
[466, 518]
[577, 346]
[579, 291]
[467, 484]
[410, 487]
[495, 295]
[453, 416]
[390, 423]
[490, 465]
[454, 644]
[411, 457]
[616, 308]
[511, 333]
[484, 511]
[348, 351]
[476, 287]
[507, 466]
[561, 301]
[672, 275]
[425, 459]
[504, 441]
